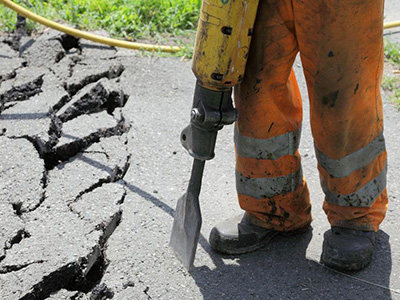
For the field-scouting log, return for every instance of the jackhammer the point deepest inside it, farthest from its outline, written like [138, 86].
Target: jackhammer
[221, 50]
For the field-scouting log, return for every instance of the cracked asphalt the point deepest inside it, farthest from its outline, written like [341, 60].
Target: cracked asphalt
[91, 169]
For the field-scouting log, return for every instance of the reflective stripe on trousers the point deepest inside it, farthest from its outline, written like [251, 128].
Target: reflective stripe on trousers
[269, 180]
[343, 186]
[340, 44]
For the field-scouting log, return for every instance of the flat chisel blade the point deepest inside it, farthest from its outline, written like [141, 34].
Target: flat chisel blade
[187, 221]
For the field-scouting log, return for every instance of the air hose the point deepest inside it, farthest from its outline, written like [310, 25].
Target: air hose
[391, 24]
[85, 35]
[105, 40]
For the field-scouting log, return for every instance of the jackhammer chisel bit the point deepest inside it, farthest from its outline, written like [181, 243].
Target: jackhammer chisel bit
[187, 222]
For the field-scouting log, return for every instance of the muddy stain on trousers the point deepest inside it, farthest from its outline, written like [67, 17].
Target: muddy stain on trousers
[341, 49]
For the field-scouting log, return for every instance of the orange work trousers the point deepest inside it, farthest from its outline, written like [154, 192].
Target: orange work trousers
[341, 49]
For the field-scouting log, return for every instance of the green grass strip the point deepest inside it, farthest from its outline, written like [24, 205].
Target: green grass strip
[130, 19]
[391, 82]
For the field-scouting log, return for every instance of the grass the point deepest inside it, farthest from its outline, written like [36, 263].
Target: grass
[391, 81]
[392, 52]
[152, 20]
[391, 85]
[161, 21]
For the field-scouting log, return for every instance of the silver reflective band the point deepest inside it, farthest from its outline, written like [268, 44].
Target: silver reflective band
[343, 167]
[364, 197]
[268, 149]
[268, 187]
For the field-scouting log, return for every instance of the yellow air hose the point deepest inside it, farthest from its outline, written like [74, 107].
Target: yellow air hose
[85, 35]
[104, 40]
[391, 25]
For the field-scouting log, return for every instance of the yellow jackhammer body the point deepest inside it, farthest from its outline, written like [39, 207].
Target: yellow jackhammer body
[222, 45]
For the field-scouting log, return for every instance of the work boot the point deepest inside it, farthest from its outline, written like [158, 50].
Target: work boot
[238, 236]
[347, 249]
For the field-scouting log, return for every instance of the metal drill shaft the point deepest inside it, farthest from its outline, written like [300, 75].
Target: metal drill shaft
[187, 221]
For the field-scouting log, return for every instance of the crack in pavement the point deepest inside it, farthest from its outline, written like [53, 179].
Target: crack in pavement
[21, 234]
[97, 152]
[113, 72]
[117, 175]
[146, 292]
[88, 94]
[10, 75]
[42, 198]
[8, 106]
[92, 268]
[62, 102]
[14, 41]
[69, 42]
[82, 275]
[16, 239]
[96, 100]
[23, 92]
[53, 282]
[13, 268]
[63, 153]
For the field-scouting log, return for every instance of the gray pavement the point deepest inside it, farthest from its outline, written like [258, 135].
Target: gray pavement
[91, 169]
[392, 13]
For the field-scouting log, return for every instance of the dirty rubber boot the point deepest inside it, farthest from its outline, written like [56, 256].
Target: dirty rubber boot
[347, 249]
[238, 236]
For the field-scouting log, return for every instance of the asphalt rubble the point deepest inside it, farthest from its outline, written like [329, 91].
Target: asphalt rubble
[91, 168]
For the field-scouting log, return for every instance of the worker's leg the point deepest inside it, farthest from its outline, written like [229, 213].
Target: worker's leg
[341, 48]
[269, 181]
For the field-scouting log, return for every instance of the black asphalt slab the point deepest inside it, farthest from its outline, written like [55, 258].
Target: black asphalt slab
[92, 167]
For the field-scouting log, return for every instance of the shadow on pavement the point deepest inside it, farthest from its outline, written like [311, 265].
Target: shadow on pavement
[390, 33]
[27, 116]
[282, 271]
[6, 56]
[92, 46]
